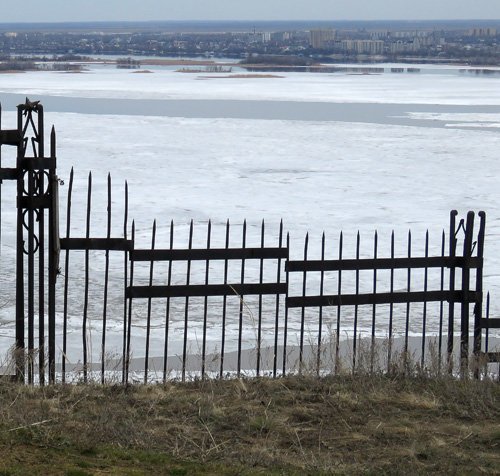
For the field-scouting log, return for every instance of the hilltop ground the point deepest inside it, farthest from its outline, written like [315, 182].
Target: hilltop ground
[294, 425]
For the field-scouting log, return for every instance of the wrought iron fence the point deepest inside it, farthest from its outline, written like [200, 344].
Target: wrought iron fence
[129, 312]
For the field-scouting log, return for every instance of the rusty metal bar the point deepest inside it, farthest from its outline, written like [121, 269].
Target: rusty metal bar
[186, 305]
[30, 213]
[241, 292]
[303, 310]
[478, 307]
[20, 324]
[54, 255]
[489, 323]
[441, 307]
[424, 311]
[150, 302]
[259, 324]
[464, 318]
[41, 283]
[86, 283]
[205, 305]
[125, 282]
[339, 307]
[391, 308]
[320, 316]
[38, 163]
[129, 317]
[487, 328]
[211, 254]
[11, 137]
[101, 244]
[402, 297]
[9, 174]
[224, 310]
[451, 309]
[384, 263]
[408, 288]
[374, 306]
[66, 279]
[106, 285]
[285, 325]
[355, 330]
[39, 189]
[167, 308]
[277, 314]
[32, 203]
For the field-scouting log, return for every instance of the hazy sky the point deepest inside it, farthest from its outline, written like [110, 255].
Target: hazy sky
[91, 10]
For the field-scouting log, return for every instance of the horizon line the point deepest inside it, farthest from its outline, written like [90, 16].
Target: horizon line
[251, 20]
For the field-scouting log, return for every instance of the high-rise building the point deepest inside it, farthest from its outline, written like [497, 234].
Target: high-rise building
[321, 38]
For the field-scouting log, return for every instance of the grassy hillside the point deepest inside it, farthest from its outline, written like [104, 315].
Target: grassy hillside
[293, 425]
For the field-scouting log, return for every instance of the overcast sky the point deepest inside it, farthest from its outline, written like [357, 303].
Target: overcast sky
[108, 10]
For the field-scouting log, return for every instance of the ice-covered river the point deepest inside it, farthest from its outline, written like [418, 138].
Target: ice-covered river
[323, 152]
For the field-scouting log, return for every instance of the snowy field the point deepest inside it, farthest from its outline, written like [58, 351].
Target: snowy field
[437, 154]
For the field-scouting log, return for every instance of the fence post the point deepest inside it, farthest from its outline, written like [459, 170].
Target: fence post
[478, 306]
[464, 319]
[20, 342]
[54, 252]
[451, 310]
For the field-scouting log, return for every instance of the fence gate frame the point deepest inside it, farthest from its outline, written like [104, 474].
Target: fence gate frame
[37, 196]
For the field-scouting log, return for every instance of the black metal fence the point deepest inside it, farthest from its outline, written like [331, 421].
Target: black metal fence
[133, 313]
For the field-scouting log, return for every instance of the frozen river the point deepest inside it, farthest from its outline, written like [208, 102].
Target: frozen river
[323, 152]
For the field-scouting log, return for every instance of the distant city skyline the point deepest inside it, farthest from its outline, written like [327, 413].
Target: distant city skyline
[29, 11]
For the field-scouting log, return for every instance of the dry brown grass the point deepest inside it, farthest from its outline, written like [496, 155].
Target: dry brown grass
[296, 425]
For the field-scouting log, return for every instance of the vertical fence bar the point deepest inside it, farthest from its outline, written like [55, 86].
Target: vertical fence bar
[31, 275]
[391, 307]
[20, 324]
[321, 292]
[224, 307]
[441, 306]
[129, 314]
[41, 281]
[303, 309]
[285, 325]
[354, 341]
[261, 280]
[478, 306]
[374, 306]
[106, 284]
[167, 309]
[277, 314]
[66, 279]
[186, 306]
[451, 309]
[464, 319]
[487, 333]
[205, 305]
[54, 254]
[424, 316]
[150, 304]
[40, 216]
[125, 282]
[240, 326]
[86, 286]
[408, 288]
[339, 308]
